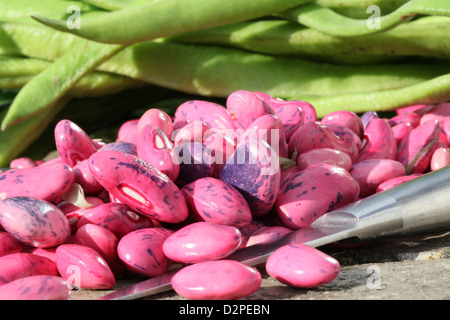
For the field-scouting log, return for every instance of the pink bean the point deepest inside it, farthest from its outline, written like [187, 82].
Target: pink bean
[440, 112]
[83, 267]
[34, 182]
[128, 131]
[74, 213]
[142, 187]
[22, 163]
[202, 241]
[158, 118]
[221, 148]
[216, 280]
[372, 172]
[39, 287]
[324, 155]
[195, 131]
[34, 222]
[378, 142]
[8, 244]
[267, 235]
[147, 258]
[126, 147]
[85, 179]
[393, 182]
[347, 119]
[440, 159]
[401, 130]
[310, 193]
[302, 266]
[420, 109]
[412, 118]
[72, 143]
[20, 265]
[48, 253]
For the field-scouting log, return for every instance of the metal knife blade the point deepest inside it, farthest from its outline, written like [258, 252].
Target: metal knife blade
[419, 205]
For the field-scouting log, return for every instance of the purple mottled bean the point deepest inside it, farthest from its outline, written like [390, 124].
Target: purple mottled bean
[83, 267]
[158, 118]
[195, 160]
[245, 107]
[302, 266]
[267, 235]
[378, 142]
[254, 170]
[345, 118]
[20, 265]
[417, 147]
[72, 143]
[216, 280]
[367, 116]
[39, 287]
[372, 172]
[9, 244]
[34, 222]
[84, 177]
[141, 251]
[142, 187]
[35, 182]
[202, 241]
[157, 150]
[221, 147]
[291, 117]
[212, 114]
[128, 132]
[116, 217]
[310, 193]
[122, 146]
[213, 200]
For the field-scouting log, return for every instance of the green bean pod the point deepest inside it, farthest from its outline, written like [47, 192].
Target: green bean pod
[357, 9]
[165, 18]
[328, 21]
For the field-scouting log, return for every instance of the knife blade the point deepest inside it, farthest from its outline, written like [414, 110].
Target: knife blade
[419, 205]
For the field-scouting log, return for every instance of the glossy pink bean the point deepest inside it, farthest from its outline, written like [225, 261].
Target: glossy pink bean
[302, 266]
[22, 163]
[39, 287]
[85, 179]
[213, 200]
[202, 241]
[416, 148]
[142, 187]
[250, 229]
[195, 131]
[158, 118]
[216, 280]
[393, 182]
[155, 148]
[104, 242]
[292, 117]
[128, 131]
[324, 155]
[48, 253]
[345, 118]
[420, 109]
[309, 112]
[412, 118]
[212, 114]
[245, 107]
[141, 251]
[35, 182]
[83, 267]
[372, 172]
[72, 143]
[267, 235]
[20, 265]
[440, 112]
[378, 142]
[34, 222]
[440, 159]
[401, 130]
[9, 244]
[116, 217]
[310, 193]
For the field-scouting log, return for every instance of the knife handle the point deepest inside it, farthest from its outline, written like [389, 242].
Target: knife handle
[416, 206]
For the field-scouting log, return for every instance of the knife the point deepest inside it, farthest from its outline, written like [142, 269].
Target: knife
[419, 205]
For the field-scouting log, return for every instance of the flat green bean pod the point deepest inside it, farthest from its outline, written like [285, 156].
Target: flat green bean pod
[165, 18]
[332, 23]
[357, 9]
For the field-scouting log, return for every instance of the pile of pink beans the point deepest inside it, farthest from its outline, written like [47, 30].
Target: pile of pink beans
[186, 191]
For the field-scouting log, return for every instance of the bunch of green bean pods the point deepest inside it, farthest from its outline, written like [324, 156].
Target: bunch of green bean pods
[338, 55]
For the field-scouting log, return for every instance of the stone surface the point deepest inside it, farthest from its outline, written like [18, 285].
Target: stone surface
[408, 268]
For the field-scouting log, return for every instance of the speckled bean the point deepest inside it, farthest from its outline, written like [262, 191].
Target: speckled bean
[39, 287]
[20, 265]
[213, 200]
[216, 280]
[372, 172]
[378, 142]
[309, 112]
[221, 147]
[116, 217]
[158, 118]
[142, 187]
[212, 114]
[202, 241]
[195, 160]
[72, 143]
[302, 266]
[122, 146]
[310, 193]
[440, 159]
[245, 107]
[155, 148]
[34, 182]
[34, 222]
[254, 170]
[292, 117]
[324, 155]
[8, 244]
[345, 118]
[412, 118]
[142, 253]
